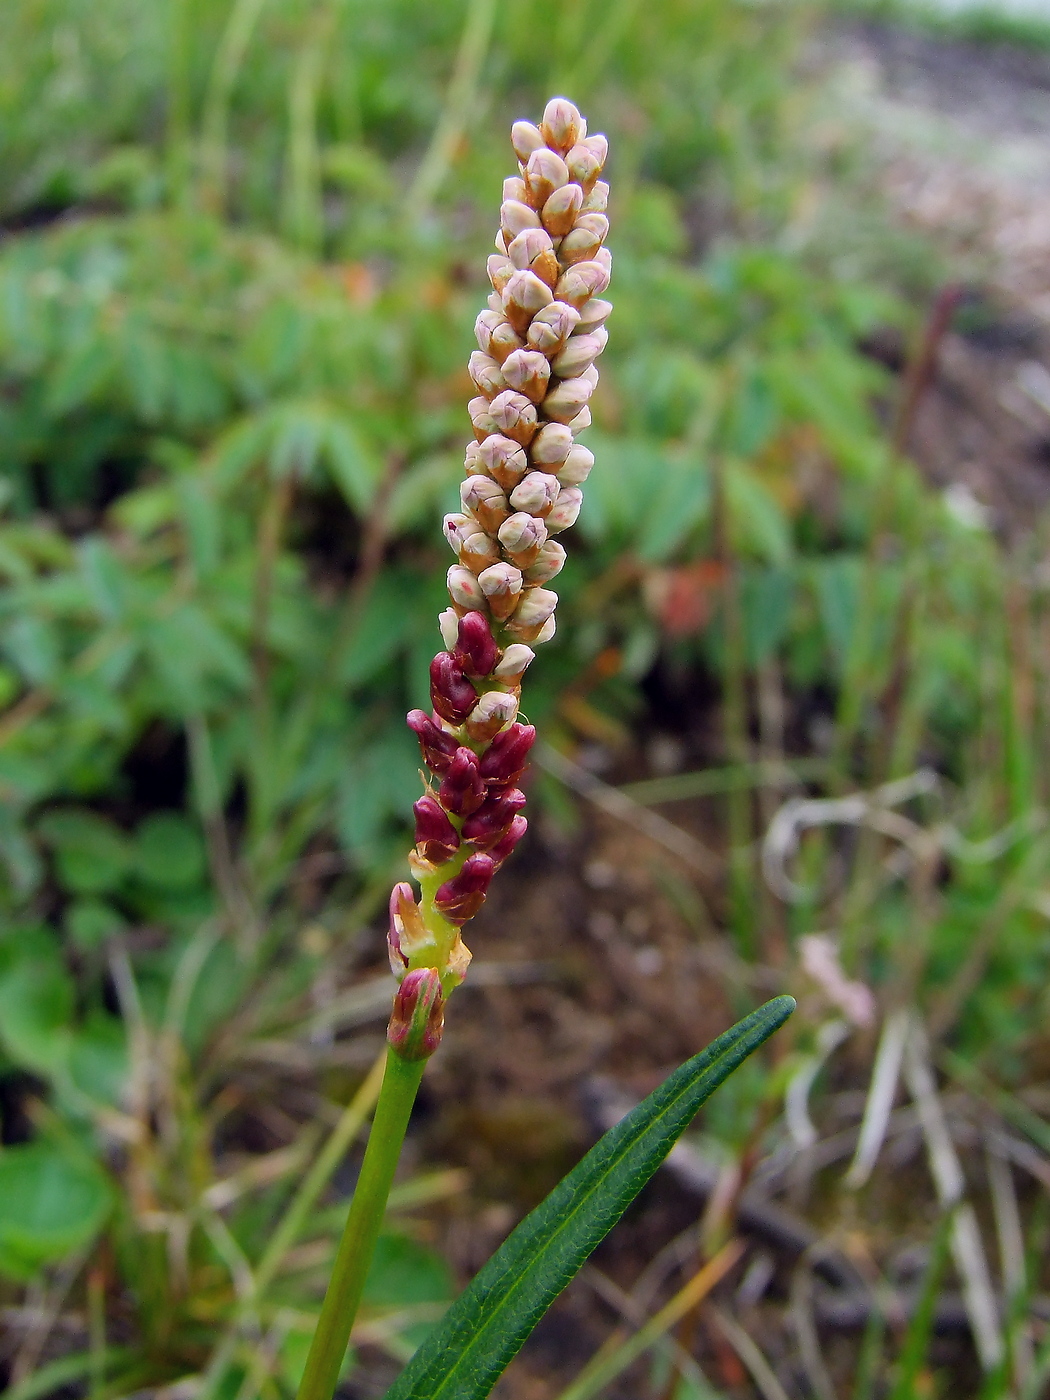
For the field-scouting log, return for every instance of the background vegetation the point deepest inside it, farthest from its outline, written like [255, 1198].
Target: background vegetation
[242, 255]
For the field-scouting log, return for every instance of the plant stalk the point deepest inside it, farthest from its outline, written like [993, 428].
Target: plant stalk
[400, 1083]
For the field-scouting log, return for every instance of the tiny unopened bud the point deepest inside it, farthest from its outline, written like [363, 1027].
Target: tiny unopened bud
[529, 246]
[527, 371]
[525, 138]
[567, 398]
[500, 243]
[485, 324]
[594, 313]
[546, 632]
[562, 125]
[503, 459]
[448, 626]
[523, 295]
[481, 419]
[548, 562]
[437, 840]
[581, 421]
[486, 374]
[576, 468]
[503, 762]
[484, 499]
[406, 932]
[552, 326]
[551, 445]
[536, 606]
[490, 823]
[503, 848]
[566, 509]
[597, 201]
[545, 172]
[437, 745]
[583, 166]
[514, 218]
[581, 282]
[474, 548]
[604, 258]
[514, 188]
[418, 1015]
[475, 648]
[522, 536]
[561, 209]
[462, 789]
[451, 694]
[503, 340]
[535, 494]
[514, 662]
[514, 416]
[501, 585]
[579, 354]
[500, 270]
[460, 898]
[585, 239]
[493, 712]
[463, 587]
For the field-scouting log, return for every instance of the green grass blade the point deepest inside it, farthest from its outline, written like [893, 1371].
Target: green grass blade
[463, 1357]
[920, 1328]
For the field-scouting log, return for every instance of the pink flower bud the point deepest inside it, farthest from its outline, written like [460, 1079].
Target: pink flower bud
[501, 585]
[604, 259]
[566, 509]
[545, 172]
[463, 587]
[514, 416]
[504, 340]
[515, 218]
[580, 353]
[436, 838]
[567, 398]
[514, 187]
[460, 898]
[462, 788]
[503, 762]
[523, 295]
[535, 608]
[522, 536]
[531, 245]
[481, 419]
[598, 144]
[476, 549]
[418, 1015]
[551, 327]
[475, 648]
[535, 494]
[500, 270]
[486, 501]
[576, 468]
[451, 694]
[596, 202]
[437, 745]
[485, 324]
[503, 848]
[562, 125]
[583, 166]
[491, 822]
[594, 313]
[493, 712]
[578, 284]
[406, 930]
[486, 374]
[503, 459]
[581, 421]
[527, 371]
[525, 138]
[551, 445]
[561, 209]
[548, 562]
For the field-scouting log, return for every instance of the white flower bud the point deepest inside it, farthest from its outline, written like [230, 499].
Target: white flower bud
[485, 324]
[583, 166]
[578, 284]
[593, 313]
[514, 663]
[603, 257]
[546, 632]
[499, 270]
[524, 295]
[471, 464]
[493, 712]
[514, 217]
[590, 374]
[579, 354]
[500, 243]
[581, 421]
[534, 250]
[504, 340]
[566, 509]
[452, 525]
[562, 126]
[560, 211]
[464, 588]
[525, 138]
[535, 607]
[536, 493]
[552, 326]
[514, 188]
[448, 623]
[522, 536]
[549, 561]
[551, 445]
[544, 173]
[485, 501]
[486, 374]
[597, 201]
[514, 416]
[527, 371]
[576, 468]
[481, 419]
[501, 586]
[503, 459]
[585, 239]
[599, 145]
[567, 398]
[476, 549]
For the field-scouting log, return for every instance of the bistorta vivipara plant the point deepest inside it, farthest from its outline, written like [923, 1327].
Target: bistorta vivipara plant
[524, 472]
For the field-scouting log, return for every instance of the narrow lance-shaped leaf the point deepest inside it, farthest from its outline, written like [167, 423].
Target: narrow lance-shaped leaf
[463, 1357]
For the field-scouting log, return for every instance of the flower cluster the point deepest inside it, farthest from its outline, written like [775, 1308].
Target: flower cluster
[534, 372]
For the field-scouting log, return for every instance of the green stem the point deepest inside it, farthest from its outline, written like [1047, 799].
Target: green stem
[362, 1228]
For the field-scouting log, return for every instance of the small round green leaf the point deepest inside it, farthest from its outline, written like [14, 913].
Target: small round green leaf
[169, 852]
[51, 1203]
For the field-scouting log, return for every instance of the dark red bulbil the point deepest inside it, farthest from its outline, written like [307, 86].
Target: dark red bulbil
[491, 822]
[503, 848]
[436, 838]
[462, 788]
[476, 649]
[418, 1015]
[503, 762]
[460, 898]
[437, 745]
[451, 694]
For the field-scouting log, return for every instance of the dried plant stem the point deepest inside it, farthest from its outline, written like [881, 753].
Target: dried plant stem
[400, 1083]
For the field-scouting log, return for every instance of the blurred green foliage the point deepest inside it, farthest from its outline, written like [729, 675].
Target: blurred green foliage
[234, 322]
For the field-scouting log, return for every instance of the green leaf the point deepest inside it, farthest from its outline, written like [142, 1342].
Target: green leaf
[91, 855]
[487, 1324]
[36, 1008]
[169, 852]
[52, 1202]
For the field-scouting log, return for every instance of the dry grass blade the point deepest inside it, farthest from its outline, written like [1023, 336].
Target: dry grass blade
[881, 1093]
[1010, 1234]
[750, 1353]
